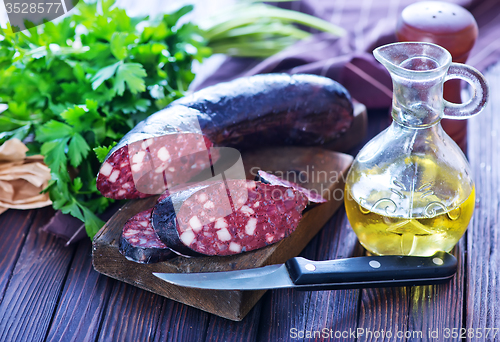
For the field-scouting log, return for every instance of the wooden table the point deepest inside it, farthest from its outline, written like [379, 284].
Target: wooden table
[49, 292]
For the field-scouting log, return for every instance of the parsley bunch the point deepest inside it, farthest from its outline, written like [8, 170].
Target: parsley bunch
[82, 83]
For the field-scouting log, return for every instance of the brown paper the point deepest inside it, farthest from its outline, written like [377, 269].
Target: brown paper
[13, 150]
[22, 178]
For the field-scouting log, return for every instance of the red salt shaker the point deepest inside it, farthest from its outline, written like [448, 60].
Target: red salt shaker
[452, 27]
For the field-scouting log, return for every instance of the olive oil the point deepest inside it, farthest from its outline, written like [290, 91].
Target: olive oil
[412, 222]
[410, 190]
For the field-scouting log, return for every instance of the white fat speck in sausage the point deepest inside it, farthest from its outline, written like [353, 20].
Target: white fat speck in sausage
[223, 234]
[187, 237]
[106, 169]
[250, 226]
[195, 223]
[235, 247]
[247, 210]
[114, 176]
[163, 154]
[220, 223]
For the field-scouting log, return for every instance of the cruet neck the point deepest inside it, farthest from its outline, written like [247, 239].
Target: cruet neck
[418, 71]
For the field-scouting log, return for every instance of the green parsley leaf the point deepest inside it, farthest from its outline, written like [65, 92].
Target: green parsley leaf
[77, 184]
[53, 130]
[103, 75]
[19, 133]
[92, 222]
[77, 150]
[73, 115]
[74, 209]
[91, 105]
[55, 157]
[101, 152]
[133, 74]
[118, 45]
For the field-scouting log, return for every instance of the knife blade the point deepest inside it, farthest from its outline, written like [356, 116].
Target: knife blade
[349, 273]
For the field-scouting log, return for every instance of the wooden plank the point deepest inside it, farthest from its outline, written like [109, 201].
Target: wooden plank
[221, 329]
[32, 293]
[94, 307]
[229, 304]
[287, 314]
[438, 307]
[14, 228]
[313, 311]
[483, 238]
[413, 309]
[179, 322]
[381, 308]
[283, 310]
[132, 315]
[83, 302]
[384, 310]
[337, 311]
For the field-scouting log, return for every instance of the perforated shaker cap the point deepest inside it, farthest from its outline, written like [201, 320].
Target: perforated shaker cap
[442, 23]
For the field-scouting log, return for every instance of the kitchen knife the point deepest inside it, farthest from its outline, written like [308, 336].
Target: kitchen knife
[350, 273]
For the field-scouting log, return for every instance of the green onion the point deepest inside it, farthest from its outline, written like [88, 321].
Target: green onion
[259, 30]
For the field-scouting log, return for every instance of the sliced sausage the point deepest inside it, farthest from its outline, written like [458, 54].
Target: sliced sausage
[261, 110]
[140, 243]
[228, 217]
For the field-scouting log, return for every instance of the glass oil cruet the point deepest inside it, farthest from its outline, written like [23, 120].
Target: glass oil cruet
[410, 191]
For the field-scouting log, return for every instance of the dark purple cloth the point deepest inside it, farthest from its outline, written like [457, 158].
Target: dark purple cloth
[71, 229]
[349, 59]
[66, 227]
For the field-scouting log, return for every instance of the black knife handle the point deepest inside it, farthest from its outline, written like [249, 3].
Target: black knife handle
[371, 269]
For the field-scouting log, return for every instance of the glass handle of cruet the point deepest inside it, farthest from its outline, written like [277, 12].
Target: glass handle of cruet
[480, 92]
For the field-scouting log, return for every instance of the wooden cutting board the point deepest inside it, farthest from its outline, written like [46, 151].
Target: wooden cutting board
[234, 305]
[320, 169]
